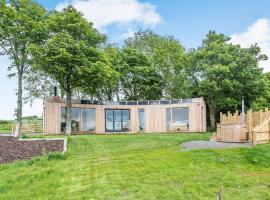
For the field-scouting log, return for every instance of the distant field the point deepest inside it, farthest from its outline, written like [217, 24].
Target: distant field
[5, 126]
[140, 167]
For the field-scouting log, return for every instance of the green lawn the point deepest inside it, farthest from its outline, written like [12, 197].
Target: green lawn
[138, 167]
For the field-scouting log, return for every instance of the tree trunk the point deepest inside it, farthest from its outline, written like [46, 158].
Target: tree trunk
[19, 107]
[68, 115]
[212, 112]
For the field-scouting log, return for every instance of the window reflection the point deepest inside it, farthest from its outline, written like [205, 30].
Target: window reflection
[75, 119]
[141, 119]
[117, 120]
[177, 118]
[88, 119]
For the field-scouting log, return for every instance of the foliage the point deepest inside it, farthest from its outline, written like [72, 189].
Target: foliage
[70, 55]
[167, 57]
[139, 81]
[225, 73]
[20, 26]
[148, 166]
[263, 101]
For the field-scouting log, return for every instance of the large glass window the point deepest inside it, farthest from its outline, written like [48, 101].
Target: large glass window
[109, 120]
[177, 118]
[88, 119]
[75, 119]
[141, 119]
[168, 118]
[63, 119]
[117, 120]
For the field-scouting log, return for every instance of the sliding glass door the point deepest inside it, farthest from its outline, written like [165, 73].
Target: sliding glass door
[117, 120]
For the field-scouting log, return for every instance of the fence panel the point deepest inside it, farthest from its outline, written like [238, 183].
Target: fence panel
[256, 127]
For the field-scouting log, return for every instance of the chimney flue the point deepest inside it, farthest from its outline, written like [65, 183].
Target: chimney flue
[55, 91]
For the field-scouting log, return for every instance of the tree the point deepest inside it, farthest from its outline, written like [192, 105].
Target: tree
[263, 101]
[71, 56]
[139, 81]
[108, 90]
[225, 73]
[167, 57]
[20, 26]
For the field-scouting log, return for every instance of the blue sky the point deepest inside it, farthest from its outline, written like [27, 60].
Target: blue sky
[246, 21]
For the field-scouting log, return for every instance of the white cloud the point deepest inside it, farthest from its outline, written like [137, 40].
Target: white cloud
[122, 13]
[258, 32]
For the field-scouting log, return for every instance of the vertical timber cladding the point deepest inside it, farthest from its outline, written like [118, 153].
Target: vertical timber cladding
[154, 115]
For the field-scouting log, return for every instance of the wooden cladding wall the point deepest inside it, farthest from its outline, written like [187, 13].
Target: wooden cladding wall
[231, 133]
[155, 115]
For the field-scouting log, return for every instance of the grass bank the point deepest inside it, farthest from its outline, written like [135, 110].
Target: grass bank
[136, 167]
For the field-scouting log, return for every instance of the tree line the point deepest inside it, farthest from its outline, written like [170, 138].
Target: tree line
[63, 49]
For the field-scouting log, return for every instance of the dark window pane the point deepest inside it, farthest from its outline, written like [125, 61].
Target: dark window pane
[132, 103]
[143, 103]
[63, 119]
[176, 101]
[164, 102]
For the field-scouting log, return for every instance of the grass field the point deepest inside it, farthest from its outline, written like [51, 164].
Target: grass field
[5, 126]
[139, 167]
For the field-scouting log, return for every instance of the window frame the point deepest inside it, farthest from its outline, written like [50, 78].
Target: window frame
[171, 116]
[80, 122]
[116, 131]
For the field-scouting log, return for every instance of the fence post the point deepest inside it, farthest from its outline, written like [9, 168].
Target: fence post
[250, 124]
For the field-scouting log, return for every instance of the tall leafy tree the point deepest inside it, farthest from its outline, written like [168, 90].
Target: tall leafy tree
[139, 81]
[108, 90]
[224, 73]
[263, 101]
[168, 58]
[71, 55]
[20, 26]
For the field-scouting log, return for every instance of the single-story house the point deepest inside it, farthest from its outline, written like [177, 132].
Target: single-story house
[184, 115]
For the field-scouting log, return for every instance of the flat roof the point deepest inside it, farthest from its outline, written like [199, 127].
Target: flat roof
[150, 102]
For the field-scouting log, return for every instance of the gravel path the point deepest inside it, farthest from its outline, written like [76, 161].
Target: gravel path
[212, 145]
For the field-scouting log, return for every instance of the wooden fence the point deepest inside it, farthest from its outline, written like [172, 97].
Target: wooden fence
[256, 127]
[29, 128]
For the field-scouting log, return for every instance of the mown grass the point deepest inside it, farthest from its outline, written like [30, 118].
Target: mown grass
[137, 167]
